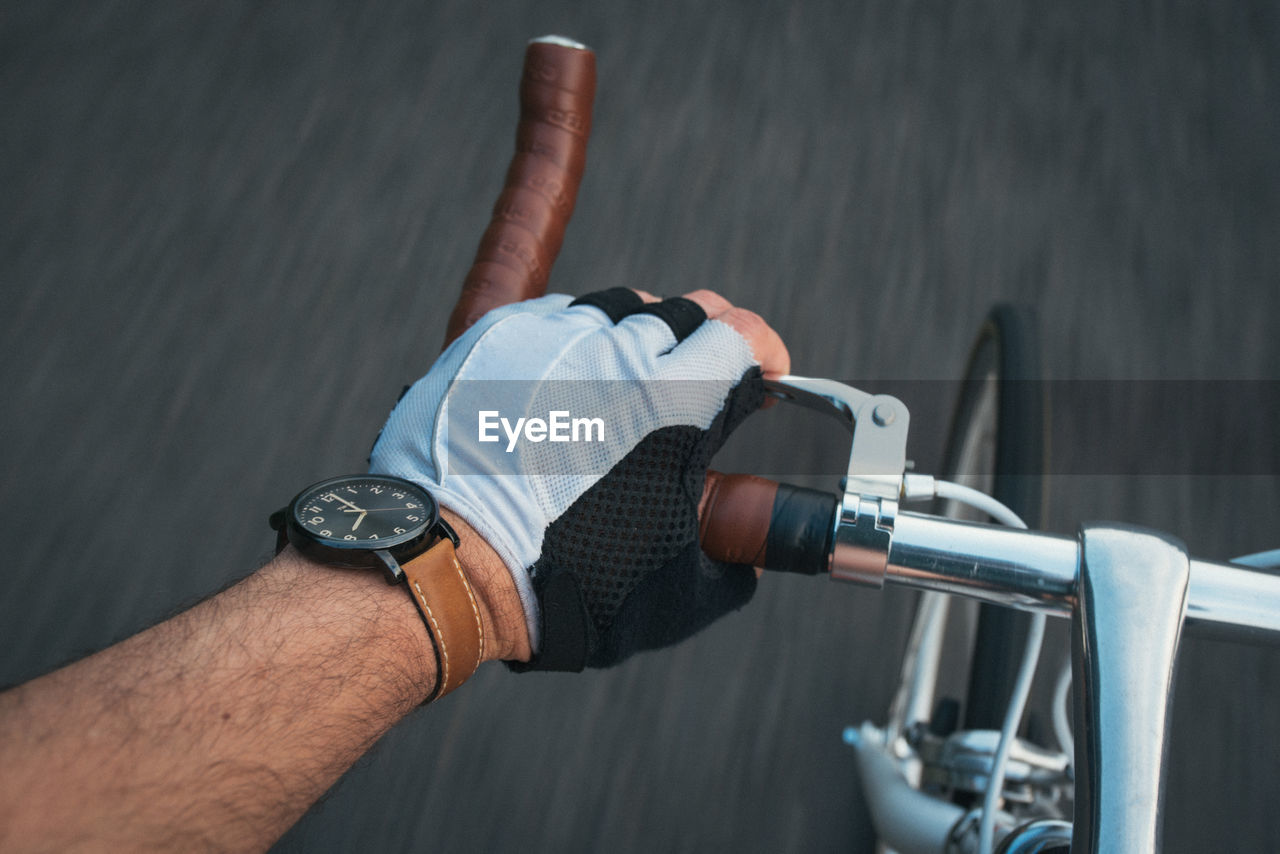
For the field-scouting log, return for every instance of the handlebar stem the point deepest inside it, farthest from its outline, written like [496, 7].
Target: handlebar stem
[1132, 599]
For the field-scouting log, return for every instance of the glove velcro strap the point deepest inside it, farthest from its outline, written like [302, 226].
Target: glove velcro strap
[615, 302]
[567, 632]
[683, 315]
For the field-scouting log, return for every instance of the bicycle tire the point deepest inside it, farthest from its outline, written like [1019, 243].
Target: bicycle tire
[998, 438]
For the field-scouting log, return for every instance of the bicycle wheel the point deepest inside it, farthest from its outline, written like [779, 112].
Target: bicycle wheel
[997, 443]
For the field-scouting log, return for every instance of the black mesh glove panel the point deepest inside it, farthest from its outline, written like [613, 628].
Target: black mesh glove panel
[621, 570]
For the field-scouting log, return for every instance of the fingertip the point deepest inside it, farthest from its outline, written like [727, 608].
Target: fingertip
[766, 345]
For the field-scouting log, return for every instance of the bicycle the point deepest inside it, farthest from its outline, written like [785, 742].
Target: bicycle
[936, 783]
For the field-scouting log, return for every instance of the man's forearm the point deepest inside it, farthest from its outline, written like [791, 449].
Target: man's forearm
[218, 728]
[274, 687]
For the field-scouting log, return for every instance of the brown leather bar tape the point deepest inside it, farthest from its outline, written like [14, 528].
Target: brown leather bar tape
[734, 517]
[752, 520]
[522, 241]
[524, 235]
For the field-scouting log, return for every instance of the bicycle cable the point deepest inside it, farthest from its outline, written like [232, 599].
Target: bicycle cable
[1061, 717]
[919, 486]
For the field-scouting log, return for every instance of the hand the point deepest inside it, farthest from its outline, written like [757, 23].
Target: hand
[599, 534]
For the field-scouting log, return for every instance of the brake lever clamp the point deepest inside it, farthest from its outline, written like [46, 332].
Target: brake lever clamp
[873, 481]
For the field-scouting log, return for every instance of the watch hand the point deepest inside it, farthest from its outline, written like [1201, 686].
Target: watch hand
[380, 509]
[359, 519]
[346, 502]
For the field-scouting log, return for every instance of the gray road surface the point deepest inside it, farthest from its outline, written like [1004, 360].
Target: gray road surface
[229, 233]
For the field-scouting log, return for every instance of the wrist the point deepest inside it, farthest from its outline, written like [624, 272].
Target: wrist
[357, 593]
[501, 612]
[339, 597]
[497, 598]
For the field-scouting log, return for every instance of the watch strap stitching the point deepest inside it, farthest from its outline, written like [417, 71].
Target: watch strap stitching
[475, 608]
[442, 678]
[431, 582]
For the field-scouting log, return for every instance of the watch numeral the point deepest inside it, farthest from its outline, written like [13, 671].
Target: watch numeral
[326, 533]
[411, 506]
[412, 518]
[376, 490]
[328, 498]
[317, 520]
[399, 530]
[349, 537]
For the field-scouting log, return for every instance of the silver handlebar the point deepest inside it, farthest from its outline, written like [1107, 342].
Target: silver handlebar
[1037, 571]
[1128, 592]
[875, 542]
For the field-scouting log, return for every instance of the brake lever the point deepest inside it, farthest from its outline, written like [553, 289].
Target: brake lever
[878, 422]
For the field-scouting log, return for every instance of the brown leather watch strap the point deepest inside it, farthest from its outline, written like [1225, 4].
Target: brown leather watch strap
[448, 605]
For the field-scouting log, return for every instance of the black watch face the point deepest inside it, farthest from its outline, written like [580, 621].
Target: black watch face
[366, 511]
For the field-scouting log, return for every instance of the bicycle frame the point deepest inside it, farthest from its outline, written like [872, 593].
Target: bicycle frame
[1128, 592]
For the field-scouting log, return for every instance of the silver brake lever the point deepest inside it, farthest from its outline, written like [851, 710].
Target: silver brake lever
[878, 422]
[873, 483]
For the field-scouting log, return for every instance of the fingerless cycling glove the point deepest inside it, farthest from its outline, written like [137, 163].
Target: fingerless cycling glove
[598, 525]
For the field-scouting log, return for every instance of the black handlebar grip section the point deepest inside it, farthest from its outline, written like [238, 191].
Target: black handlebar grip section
[800, 530]
[514, 260]
[752, 520]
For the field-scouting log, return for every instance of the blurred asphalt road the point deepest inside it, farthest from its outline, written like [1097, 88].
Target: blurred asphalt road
[231, 231]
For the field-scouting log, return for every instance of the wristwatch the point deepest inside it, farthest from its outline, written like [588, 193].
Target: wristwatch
[363, 521]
